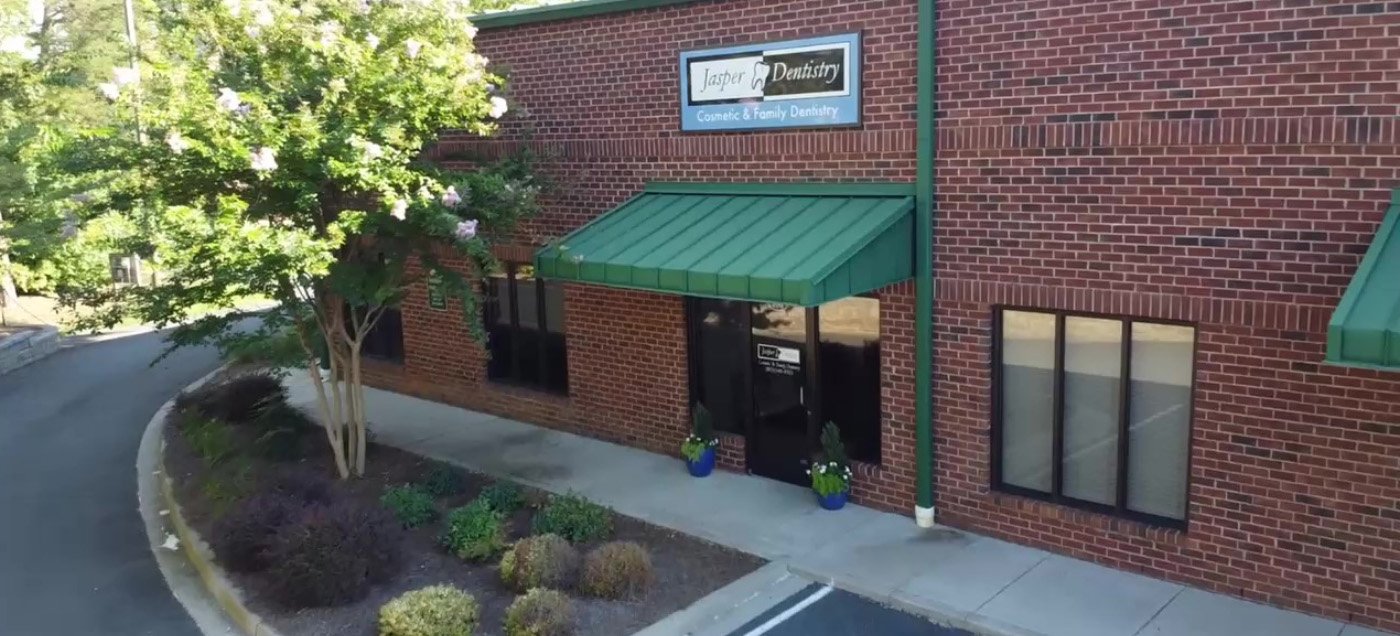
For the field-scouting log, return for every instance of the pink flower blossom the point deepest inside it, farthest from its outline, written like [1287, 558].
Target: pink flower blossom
[450, 198]
[466, 230]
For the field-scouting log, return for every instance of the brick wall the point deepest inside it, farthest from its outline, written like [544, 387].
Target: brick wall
[1220, 162]
[598, 98]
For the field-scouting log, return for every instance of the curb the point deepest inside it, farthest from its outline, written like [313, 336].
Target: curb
[27, 347]
[213, 592]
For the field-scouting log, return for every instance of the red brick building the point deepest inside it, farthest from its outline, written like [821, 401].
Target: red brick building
[1145, 216]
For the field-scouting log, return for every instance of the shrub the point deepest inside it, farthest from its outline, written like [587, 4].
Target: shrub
[237, 400]
[474, 532]
[437, 610]
[410, 505]
[282, 429]
[227, 484]
[574, 518]
[504, 497]
[617, 570]
[306, 485]
[443, 480]
[332, 553]
[545, 560]
[209, 438]
[539, 612]
[242, 538]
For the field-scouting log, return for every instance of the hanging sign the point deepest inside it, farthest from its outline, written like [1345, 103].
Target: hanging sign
[779, 360]
[437, 292]
[790, 84]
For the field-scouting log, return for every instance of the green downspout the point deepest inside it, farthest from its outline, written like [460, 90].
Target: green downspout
[923, 268]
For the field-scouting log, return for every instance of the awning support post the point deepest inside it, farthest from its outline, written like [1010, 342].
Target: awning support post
[923, 267]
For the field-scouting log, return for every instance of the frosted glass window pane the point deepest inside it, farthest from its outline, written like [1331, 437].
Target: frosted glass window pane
[1027, 399]
[1093, 364]
[1159, 418]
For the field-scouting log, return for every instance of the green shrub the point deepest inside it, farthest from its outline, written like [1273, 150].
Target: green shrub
[410, 505]
[474, 532]
[545, 560]
[436, 610]
[617, 570]
[209, 438]
[443, 480]
[540, 612]
[504, 497]
[574, 518]
[227, 484]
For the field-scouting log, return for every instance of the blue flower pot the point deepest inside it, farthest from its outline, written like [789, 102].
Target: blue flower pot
[834, 501]
[703, 466]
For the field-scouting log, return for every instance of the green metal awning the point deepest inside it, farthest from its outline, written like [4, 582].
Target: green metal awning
[800, 244]
[1365, 328]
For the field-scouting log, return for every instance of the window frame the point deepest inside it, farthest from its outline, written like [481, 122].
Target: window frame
[1120, 507]
[512, 323]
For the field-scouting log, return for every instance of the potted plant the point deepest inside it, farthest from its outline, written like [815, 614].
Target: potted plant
[699, 447]
[831, 474]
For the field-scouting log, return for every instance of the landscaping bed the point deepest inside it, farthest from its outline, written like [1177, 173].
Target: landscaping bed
[238, 457]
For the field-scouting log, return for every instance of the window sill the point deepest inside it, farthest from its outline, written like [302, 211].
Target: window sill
[1051, 510]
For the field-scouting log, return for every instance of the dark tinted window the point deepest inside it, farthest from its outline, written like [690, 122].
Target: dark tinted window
[720, 355]
[849, 331]
[524, 320]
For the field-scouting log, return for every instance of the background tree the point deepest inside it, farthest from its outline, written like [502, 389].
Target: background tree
[284, 161]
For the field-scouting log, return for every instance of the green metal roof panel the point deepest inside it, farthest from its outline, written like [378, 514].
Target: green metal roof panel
[787, 243]
[1365, 328]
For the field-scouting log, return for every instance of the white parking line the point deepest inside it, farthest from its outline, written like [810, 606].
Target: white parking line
[790, 612]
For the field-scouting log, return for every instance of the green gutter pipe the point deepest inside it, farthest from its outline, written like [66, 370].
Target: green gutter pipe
[923, 268]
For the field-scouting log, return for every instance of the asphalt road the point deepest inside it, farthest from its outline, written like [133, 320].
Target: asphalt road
[819, 610]
[74, 555]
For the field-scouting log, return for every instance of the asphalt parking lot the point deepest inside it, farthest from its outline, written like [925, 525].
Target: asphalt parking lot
[820, 610]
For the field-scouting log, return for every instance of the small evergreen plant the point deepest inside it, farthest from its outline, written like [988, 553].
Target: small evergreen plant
[702, 434]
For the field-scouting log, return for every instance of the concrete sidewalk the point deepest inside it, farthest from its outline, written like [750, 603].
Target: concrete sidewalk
[954, 577]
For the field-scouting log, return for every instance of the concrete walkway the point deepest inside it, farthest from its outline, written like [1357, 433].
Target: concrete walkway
[954, 577]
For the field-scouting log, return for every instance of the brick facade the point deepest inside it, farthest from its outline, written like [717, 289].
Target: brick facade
[1219, 162]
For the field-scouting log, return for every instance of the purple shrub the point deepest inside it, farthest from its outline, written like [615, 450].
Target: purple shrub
[306, 485]
[242, 538]
[332, 553]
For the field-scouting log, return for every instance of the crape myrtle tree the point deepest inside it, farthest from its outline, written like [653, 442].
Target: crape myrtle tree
[281, 157]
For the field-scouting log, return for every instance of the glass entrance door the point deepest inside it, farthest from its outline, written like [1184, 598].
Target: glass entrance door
[779, 441]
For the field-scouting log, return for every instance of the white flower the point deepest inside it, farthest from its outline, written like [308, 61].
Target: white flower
[471, 31]
[372, 150]
[413, 47]
[125, 76]
[450, 198]
[243, 110]
[400, 210]
[330, 32]
[264, 160]
[372, 40]
[425, 194]
[214, 62]
[228, 100]
[109, 90]
[498, 106]
[821, 469]
[362, 7]
[176, 141]
[253, 31]
[466, 230]
[336, 86]
[262, 15]
[234, 7]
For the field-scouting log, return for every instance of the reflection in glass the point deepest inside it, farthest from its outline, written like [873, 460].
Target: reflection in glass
[1159, 418]
[1093, 366]
[720, 352]
[849, 331]
[1027, 399]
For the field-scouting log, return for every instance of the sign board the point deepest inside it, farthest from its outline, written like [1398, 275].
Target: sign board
[779, 360]
[790, 84]
[437, 293]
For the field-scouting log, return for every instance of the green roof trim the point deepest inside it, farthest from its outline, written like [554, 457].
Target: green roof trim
[1365, 328]
[799, 244]
[566, 11]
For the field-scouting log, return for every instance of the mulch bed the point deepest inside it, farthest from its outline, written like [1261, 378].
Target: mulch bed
[686, 568]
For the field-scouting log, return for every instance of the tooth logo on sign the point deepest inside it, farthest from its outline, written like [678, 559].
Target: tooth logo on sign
[791, 84]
